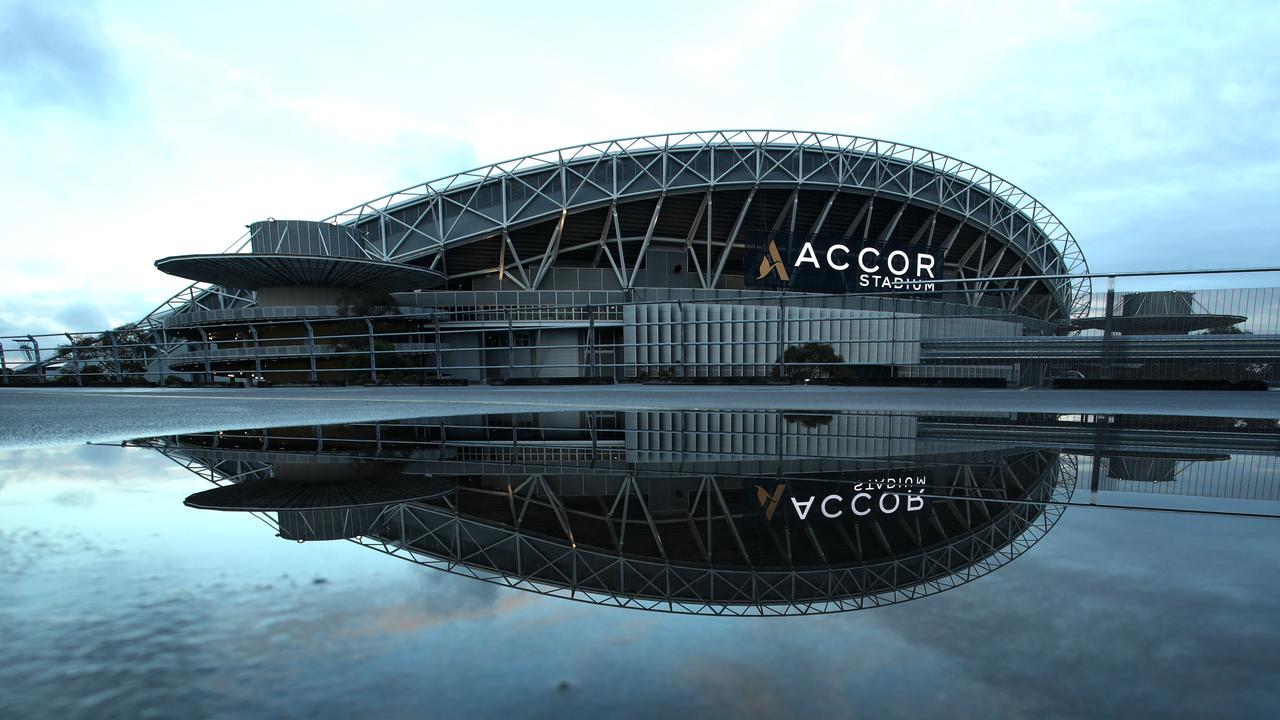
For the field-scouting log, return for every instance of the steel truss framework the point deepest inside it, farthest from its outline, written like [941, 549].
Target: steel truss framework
[607, 199]
[492, 202]
[1002, 511]
[202, 296]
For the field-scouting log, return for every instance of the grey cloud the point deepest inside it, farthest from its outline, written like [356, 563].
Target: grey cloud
[74, 498]
[48, 312]
[55, 54]
[81, 317]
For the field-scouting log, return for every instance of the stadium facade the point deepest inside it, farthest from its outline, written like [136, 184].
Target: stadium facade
[702, 254]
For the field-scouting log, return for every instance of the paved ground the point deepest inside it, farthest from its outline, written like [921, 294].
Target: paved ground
[36, 417]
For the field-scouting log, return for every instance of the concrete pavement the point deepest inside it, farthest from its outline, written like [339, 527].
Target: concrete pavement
[42, 417]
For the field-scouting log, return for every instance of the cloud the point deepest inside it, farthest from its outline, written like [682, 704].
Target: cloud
[55, 54]
[74, 499]
[81, 315]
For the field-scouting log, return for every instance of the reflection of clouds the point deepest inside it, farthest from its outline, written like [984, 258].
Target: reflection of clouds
[1150, 606]
[88, 465]
[411, 617]
[743, 691]
[74, 498]
[1115, 613]
[22, 549]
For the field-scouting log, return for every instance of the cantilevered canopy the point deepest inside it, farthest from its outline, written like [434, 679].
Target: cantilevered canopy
[1157, 324]
[272, 495]
[254, 271]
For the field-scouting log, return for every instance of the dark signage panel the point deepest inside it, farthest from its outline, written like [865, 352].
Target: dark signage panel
[868, 495]
[832, 264]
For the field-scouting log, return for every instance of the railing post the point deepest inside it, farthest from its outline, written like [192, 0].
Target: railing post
[1107, 325]
[373, 353]
[4, 365]
[208, 352]
[115, 355]
[311, 350]
[257, 353]
[893, 329]
[162, 355]
[75, 358]
[35, 347]
[684, 368]
[511, 345]
[782, 328]
[591, 340]
[436, 322]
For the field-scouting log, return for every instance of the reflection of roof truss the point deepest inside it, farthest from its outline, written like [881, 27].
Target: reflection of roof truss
[443, 538]
[621, 552]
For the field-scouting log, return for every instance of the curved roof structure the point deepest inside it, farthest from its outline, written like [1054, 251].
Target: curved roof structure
[605, 204]
[255, 271]
[989, 226]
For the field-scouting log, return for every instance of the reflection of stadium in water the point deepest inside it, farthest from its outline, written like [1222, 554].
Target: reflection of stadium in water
[687, 511]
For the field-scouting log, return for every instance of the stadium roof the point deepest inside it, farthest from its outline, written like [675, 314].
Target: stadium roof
[254, 271]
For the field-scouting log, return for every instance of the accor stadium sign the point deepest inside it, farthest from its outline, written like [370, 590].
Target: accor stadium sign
[880, 496]
[832, 264]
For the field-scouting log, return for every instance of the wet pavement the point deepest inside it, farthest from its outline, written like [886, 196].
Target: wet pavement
[45, 417]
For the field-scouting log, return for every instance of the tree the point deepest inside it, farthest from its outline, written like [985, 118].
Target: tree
[366, 304]
[812, 360]
[98, 357]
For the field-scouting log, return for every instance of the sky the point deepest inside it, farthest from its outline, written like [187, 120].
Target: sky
[131, 131]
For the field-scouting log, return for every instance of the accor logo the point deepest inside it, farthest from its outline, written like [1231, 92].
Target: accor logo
[772, 263]
[769, 501]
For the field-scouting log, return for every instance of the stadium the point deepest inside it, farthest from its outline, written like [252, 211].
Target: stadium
[724, 256]
[704, 254]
